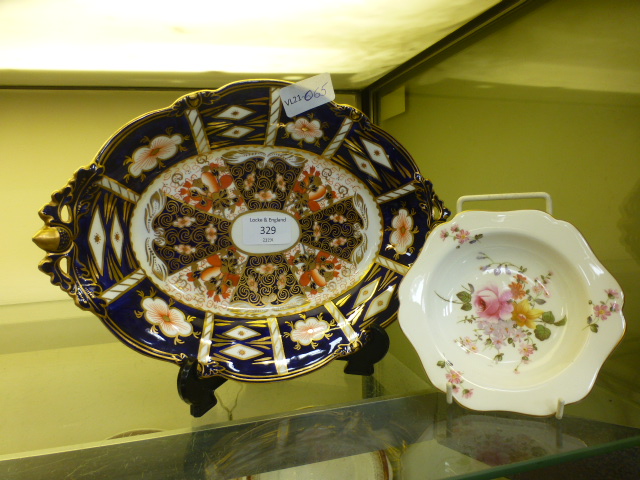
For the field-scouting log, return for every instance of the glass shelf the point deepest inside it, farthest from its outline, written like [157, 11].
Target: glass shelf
[398, 437]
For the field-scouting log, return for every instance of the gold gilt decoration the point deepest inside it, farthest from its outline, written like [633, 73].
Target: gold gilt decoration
[98, 239]
[339, 137]
[365, 165]
[377, 153]
[335, 229]
[123, 286]
[274, 242]
[53, 239]
[199, 134]
[380, 302]
[188, 235]
[274, 116]
[235, 112]
[267, 281]
[241, 352]
[399, 192]
[265, 181]
[195, 217]
[279, 358]
[391, 265]
[118, 189]
[205, 339]
[342, 322]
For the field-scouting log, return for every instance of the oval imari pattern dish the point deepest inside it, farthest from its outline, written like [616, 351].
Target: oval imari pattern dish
[512, 310]
[221, 230]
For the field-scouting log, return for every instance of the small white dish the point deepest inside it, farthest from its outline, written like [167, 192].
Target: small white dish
[512, 310]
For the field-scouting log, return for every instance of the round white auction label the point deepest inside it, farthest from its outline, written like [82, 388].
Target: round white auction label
[265, 231]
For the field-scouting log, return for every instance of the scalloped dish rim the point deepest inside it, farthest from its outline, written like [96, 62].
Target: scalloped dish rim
[521, 309]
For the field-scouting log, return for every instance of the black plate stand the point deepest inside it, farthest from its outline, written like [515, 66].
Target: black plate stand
[199, 392]
[361, 361]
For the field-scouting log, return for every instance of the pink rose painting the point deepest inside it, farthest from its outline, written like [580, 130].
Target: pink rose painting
[491, 303]
[502, 313]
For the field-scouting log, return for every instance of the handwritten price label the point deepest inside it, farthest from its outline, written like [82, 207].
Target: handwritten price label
[307, 94]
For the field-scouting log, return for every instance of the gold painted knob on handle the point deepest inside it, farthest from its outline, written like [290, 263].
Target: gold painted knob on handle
[52, 239]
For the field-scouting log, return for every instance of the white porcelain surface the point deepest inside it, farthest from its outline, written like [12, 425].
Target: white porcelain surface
[512, 309]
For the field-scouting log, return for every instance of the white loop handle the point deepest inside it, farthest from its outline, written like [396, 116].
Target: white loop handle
[507, 196]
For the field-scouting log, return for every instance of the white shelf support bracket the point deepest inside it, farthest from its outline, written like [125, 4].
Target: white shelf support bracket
[449, 393]
[560, 409]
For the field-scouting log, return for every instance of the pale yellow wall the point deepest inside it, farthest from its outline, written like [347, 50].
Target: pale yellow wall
[46, 136]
